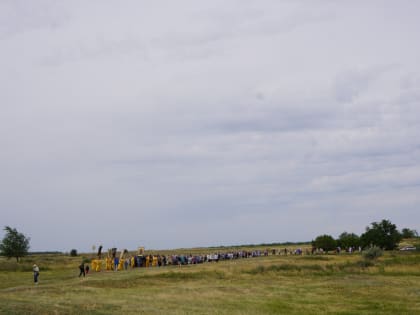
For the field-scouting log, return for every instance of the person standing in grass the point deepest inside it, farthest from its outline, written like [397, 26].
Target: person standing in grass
[82, 269]
[35, 269]
[116, 263]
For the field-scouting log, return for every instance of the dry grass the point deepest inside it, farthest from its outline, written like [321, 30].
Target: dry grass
[265, 285]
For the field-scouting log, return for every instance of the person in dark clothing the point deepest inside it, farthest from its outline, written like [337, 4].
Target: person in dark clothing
[82, 269]
[116, 263]
[87, 269]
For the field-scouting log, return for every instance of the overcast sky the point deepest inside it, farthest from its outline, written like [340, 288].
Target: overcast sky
[170, 124]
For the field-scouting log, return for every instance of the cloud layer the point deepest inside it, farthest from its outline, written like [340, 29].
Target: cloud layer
[192, 124]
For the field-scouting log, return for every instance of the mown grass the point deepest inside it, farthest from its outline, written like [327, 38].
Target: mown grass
[266, 285]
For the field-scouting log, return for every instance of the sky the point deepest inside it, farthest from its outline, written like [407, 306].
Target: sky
[177, 124]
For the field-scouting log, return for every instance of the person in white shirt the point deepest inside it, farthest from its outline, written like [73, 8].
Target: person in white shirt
[35, 269]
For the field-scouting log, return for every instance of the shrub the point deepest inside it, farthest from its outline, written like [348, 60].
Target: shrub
[372, 253]
[326, 242]
[73, 252]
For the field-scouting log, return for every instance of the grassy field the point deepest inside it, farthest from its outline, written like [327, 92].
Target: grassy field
[327, 284]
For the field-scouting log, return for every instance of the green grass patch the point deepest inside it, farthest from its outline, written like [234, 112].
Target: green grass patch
[335, 284]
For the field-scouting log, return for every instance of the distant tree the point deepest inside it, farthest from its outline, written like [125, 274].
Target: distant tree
[73, 252]
[407, 233]
[346, 240]
[383, 234]
[14, 244]
[326, 242]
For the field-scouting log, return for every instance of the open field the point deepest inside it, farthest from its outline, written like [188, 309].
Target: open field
[327, 284]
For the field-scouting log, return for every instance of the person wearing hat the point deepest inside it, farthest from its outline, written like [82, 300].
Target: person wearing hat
[35, 268]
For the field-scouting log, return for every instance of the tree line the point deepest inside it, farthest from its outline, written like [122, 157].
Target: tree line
[382, 234]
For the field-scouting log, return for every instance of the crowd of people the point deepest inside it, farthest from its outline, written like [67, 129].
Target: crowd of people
[190, 259]
[145, 261]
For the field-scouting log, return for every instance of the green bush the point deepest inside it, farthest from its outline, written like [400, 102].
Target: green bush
[73, 252]
[326, 242]
[372, 253]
